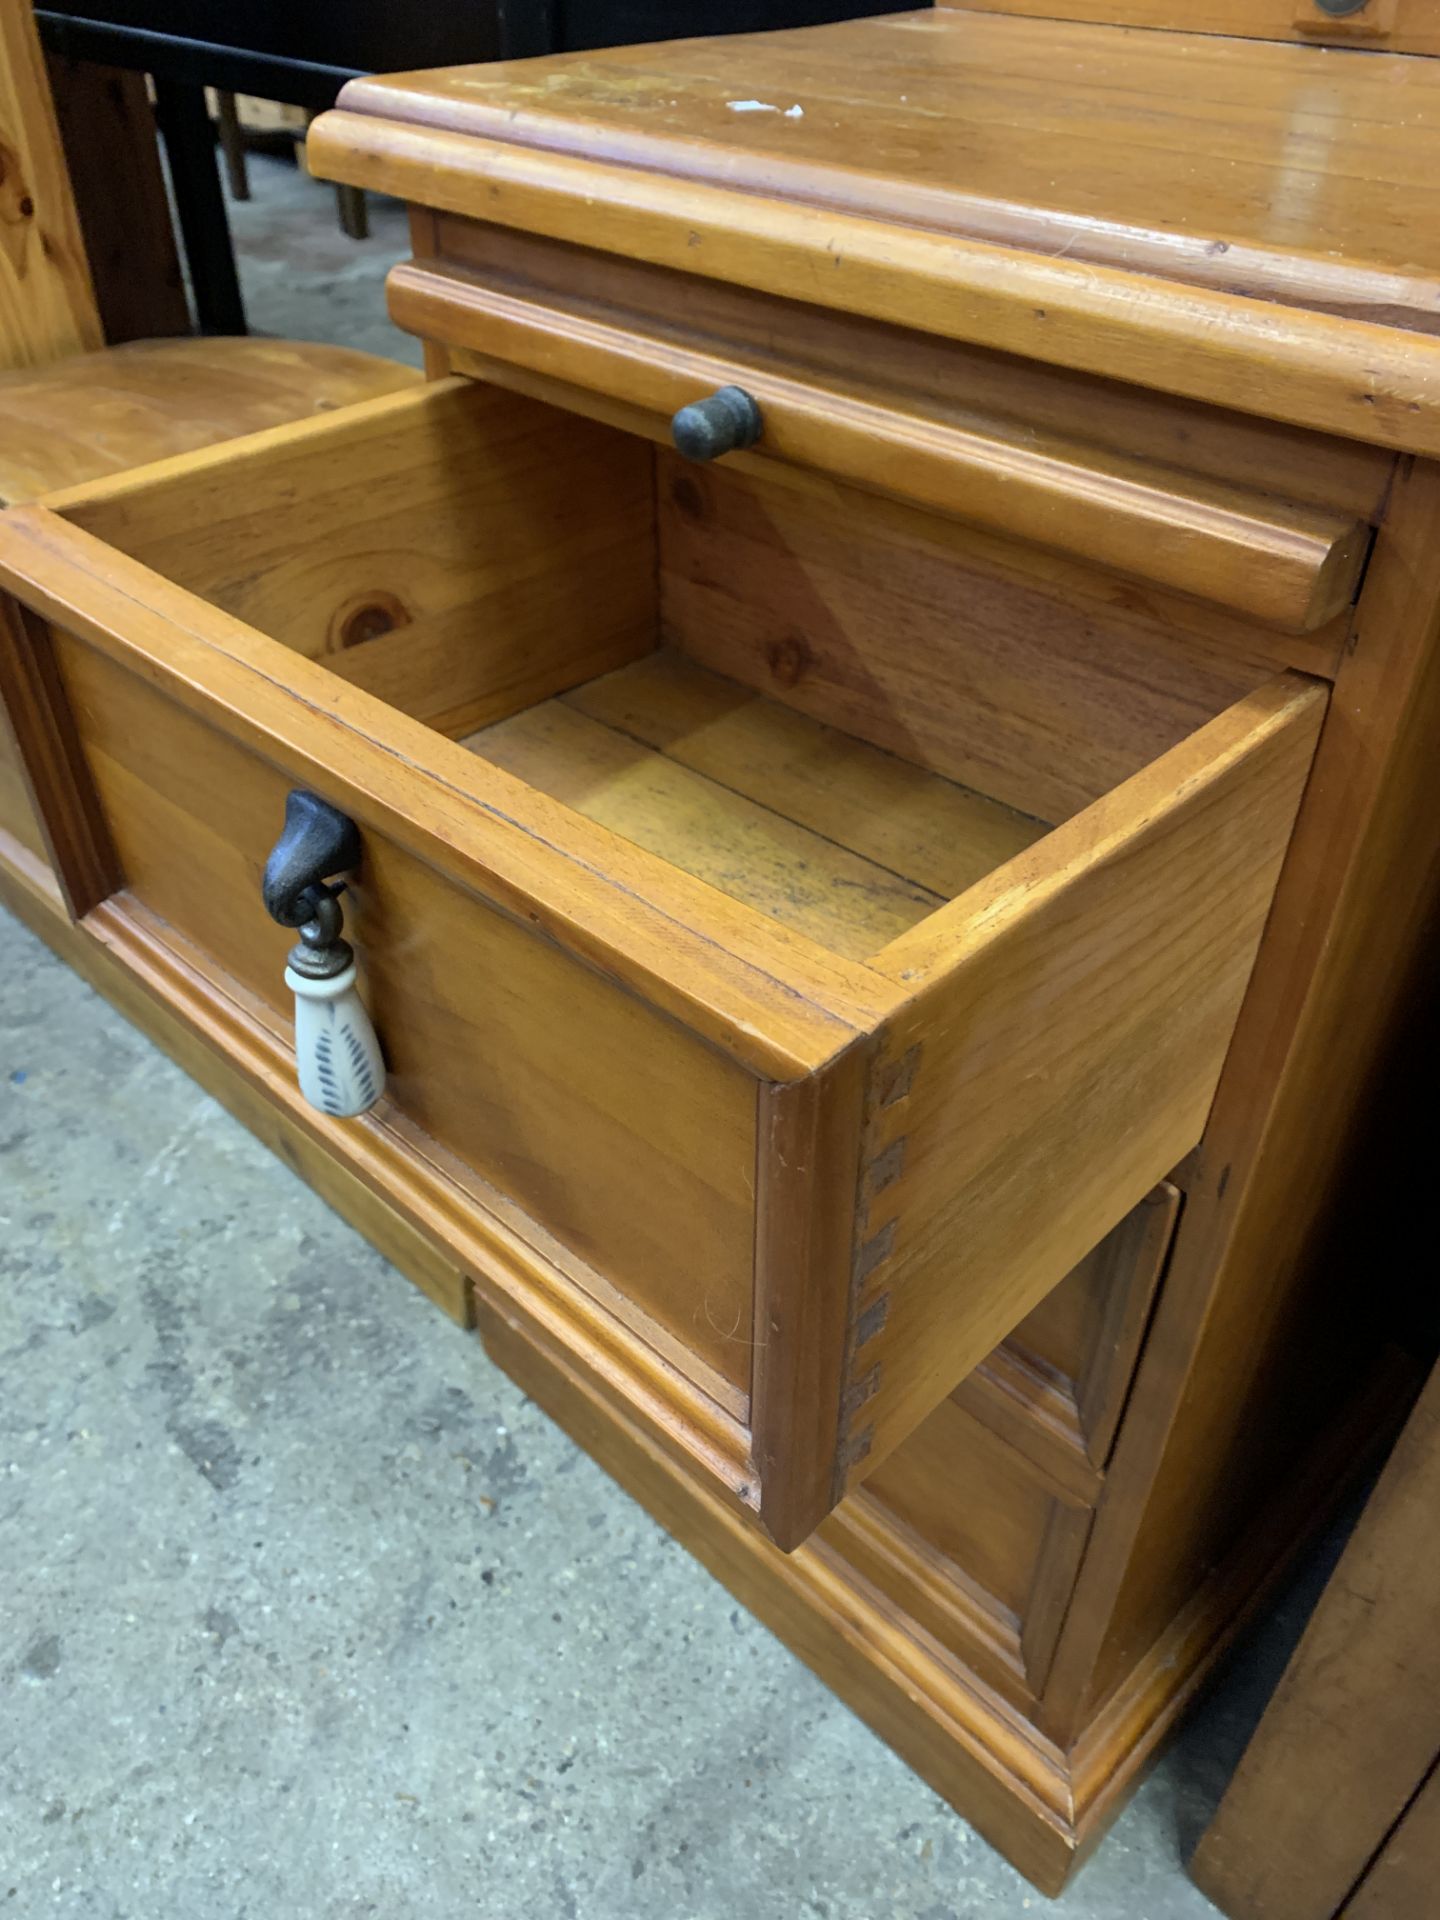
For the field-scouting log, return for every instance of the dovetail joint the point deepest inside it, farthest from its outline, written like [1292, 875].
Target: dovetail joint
[872, 1254]
[872, 1320]
[887, 1166]
[861, 1390]
[898, 1078]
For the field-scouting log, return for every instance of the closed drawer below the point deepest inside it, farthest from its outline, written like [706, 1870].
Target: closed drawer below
[1056, 1388]
[976, 1524]
[973, 1543]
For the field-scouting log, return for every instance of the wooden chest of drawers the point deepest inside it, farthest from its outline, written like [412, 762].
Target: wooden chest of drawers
[879, 937]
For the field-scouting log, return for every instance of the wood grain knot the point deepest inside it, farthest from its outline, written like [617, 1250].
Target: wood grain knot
[16, 201]
[688, 497]
[367, 617]
[789, 659]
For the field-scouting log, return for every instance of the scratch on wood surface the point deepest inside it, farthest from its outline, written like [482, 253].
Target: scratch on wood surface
[796, 112]
[731, 1333]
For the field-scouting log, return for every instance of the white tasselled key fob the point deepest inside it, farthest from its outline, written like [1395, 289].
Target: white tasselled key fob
[337, 1056]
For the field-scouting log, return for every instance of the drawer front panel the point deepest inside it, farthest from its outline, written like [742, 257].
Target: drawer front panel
[1289, 564]
[571, 1097]
[841, 349]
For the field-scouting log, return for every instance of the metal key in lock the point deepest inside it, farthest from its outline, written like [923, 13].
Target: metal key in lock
[337, 1056]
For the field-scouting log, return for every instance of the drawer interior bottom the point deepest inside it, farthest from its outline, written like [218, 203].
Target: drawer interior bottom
[843, 841]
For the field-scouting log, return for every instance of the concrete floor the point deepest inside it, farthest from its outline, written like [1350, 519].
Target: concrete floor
[308, 1613]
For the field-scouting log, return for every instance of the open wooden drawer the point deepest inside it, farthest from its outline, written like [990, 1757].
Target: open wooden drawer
[790, 958]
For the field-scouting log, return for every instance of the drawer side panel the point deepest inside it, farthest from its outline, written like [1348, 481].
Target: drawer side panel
[1067, 1025]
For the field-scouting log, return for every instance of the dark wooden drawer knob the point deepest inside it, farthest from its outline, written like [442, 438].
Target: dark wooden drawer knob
[723, 422]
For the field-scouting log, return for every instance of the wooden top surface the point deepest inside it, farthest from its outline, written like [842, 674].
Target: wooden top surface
[1301, 173]
[100, 413]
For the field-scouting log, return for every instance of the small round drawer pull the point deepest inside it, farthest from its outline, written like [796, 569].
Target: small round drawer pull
[723, 422]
